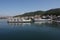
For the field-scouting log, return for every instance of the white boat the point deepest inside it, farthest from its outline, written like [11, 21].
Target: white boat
[57, 20]
[42, 20]
[23, 20]
[19, 20]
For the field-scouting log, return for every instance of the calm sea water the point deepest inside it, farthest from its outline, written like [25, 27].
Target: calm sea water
[29, 31]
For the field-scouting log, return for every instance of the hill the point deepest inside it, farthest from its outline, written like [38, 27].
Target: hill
[55, 11]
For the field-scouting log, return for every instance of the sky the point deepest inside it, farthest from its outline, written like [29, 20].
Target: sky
[17, 7]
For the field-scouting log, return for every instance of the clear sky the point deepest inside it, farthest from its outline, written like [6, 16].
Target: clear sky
[17, 7]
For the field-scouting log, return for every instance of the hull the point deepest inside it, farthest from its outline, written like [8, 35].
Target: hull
[43, 20]
[20, 22]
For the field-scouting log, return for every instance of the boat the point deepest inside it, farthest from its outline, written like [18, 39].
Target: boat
[20, 20]
[57, 19]
[28, 20]
[42, 20]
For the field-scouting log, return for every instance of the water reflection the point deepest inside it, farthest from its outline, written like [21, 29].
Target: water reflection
[28, 24]
[19, 24]
[49, 24]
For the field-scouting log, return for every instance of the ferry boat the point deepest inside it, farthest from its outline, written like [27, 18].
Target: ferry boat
[20, 20]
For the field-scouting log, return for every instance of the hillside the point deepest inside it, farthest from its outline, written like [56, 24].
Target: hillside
[55, 11]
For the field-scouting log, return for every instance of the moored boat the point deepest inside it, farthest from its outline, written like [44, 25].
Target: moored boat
[19, 20]
[57, 19]
[42, 20]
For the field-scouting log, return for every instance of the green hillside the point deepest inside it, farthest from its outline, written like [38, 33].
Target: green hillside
[55, 11]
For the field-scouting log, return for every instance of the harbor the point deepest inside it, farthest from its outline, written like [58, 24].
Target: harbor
[34, 19]
[29, 20]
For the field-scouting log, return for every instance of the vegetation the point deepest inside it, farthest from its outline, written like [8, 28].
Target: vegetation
[34, 13]
[55, 11]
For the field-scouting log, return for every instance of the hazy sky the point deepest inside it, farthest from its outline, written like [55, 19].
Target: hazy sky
[17, 7]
